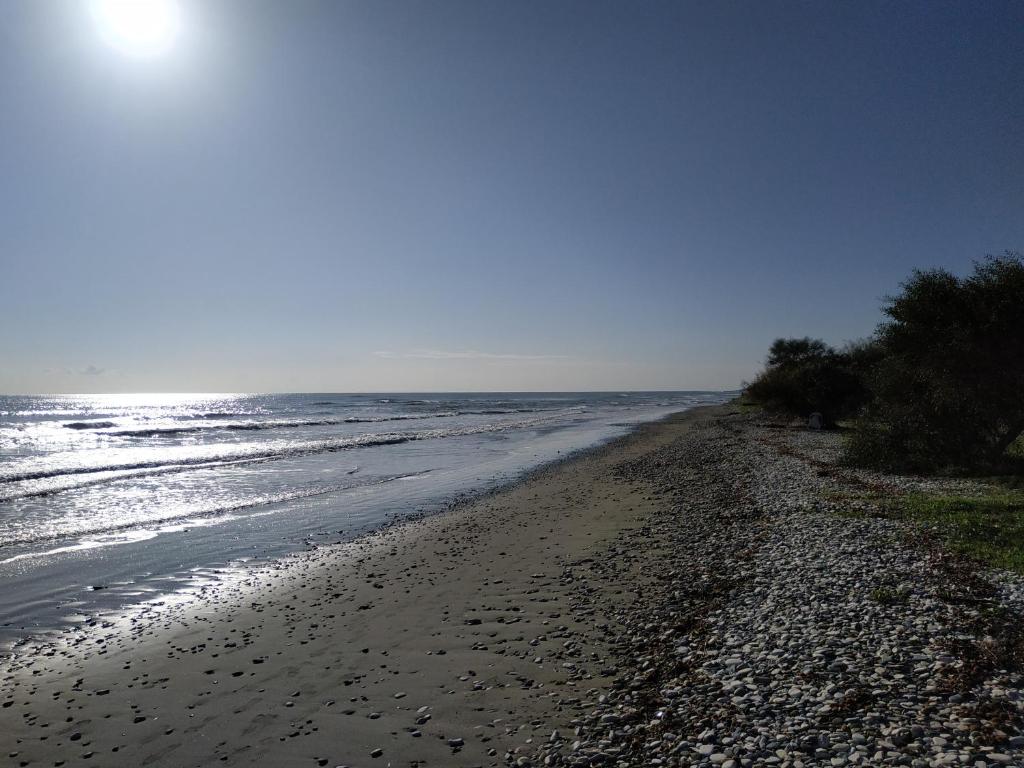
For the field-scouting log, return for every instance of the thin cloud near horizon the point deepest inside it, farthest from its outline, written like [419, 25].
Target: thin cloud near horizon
[437, 354]
[89, 370]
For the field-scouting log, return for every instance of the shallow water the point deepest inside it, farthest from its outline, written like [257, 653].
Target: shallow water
[106, 500]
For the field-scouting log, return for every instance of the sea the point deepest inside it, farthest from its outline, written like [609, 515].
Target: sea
[107, 501]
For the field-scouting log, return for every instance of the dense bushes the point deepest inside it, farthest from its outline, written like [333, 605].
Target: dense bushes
[806, 375]
[949, 388]
[940, 386]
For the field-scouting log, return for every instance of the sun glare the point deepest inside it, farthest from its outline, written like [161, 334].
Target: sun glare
[138, 27]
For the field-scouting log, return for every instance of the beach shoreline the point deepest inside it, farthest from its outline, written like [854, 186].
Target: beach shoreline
[84, 540]
[127, 655]
[689, 594]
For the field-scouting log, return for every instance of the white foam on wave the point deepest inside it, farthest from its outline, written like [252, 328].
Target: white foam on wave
[186, 457]
[123, 537]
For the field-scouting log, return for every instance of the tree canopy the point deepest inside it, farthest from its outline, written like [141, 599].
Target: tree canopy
[805, 376]
[949, 387]
[940, 385]
[792, 352]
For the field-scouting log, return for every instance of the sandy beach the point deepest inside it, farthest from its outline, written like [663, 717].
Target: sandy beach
[436, 642]
[686, 595]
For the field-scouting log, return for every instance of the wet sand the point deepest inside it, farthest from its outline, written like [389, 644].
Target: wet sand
[455, 640]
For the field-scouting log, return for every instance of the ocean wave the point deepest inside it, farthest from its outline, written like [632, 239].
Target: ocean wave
[156, 431]
[107, 428]
[185, 518]
[95, 543]
[253, 453]
[400, 417]
[250, 454]
[75, 482]
[253, 426]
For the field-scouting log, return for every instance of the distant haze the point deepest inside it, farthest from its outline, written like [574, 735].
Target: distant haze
[414, 196]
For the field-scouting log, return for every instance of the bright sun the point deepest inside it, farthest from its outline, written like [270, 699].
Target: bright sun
[138, 27]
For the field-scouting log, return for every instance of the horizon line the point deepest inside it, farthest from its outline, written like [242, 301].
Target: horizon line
[373, 392]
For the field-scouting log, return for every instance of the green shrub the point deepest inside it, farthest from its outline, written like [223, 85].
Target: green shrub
[948, 385]
[803, 376]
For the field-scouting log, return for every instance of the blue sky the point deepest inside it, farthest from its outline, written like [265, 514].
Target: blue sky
[364, 196]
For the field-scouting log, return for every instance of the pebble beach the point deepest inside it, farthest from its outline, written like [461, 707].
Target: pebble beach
[712, 589]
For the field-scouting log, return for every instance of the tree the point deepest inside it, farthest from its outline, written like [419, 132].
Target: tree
[792, 352]
[805, 375]
[949, 387]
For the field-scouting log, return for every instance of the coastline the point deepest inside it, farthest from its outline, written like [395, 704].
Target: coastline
[680, 595]
[404, 594]
[111, 541]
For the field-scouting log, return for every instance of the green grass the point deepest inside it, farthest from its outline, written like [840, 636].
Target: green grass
[1017, 447]
[889, 596]
[988, 527]
[1010, 482]
[744, 403]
